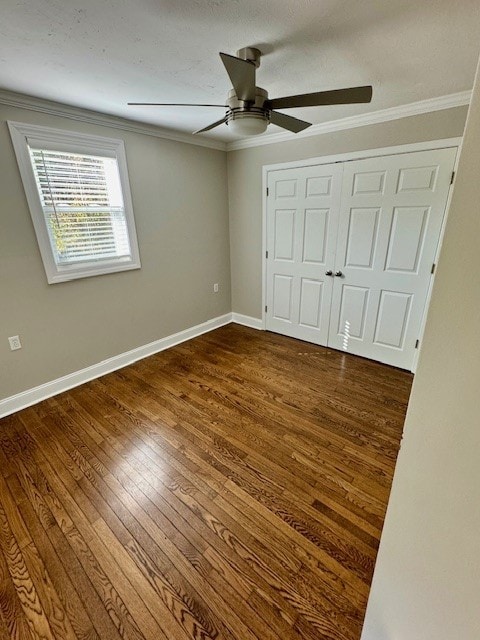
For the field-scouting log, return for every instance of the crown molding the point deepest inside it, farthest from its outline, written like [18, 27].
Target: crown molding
[374, 117]
[21, 101]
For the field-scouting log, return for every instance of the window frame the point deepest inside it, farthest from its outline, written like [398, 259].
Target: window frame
[74, 142]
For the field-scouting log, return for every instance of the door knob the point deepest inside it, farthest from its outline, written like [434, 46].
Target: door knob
[329, 273]
[338, 274]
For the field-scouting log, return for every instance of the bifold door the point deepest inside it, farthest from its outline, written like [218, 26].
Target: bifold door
[351, 267]
[302, 223]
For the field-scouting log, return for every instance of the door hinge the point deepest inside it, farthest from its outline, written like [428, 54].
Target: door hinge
[417, 343]
[266, 308]
[453, 177]
[268, 191]
[432, 271]
[266, 255]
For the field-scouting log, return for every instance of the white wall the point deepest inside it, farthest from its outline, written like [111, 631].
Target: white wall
[245, 185]
[427, 577]
[179, 196]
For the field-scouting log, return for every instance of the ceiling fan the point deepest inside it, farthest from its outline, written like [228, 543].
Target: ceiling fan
[250, 111]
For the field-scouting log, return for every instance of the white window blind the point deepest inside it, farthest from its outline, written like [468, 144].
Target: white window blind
[81, 198]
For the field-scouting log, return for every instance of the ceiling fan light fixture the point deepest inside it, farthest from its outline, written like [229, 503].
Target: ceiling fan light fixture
[247, 123]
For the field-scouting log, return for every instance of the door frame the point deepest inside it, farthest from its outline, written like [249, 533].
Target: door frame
[430, 145]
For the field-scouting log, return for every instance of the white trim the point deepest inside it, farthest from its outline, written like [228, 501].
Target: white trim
[247, 321]
[31, 103]
[346, 157]
[21, 134]
[361, 120]
[52, 388]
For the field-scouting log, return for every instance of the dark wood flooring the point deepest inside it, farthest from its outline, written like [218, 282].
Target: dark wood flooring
[233, 487]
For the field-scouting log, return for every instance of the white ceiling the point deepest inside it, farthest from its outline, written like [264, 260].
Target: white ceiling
[100, 54]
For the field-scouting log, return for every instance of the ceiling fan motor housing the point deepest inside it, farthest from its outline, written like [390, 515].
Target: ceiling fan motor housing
[240, 109]
[245, 116]
[235, 103]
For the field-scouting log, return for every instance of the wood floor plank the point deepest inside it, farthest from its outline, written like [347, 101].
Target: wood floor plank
[4, 634]
[22, 581]
[230, 488]
[55, 612]
[10, 606]
[99, 611]
[54, 608]
[61, 576]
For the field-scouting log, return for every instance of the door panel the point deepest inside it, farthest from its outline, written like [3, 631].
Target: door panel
[318, 186]
[310, 303]
[302, 221]
[353, 308]
[417, 179]
[282, 297]
[392, 318]
[286, 188]
[371, 182]
[406, 238]
[362, 237]
[391, 215]
[284, 234]
[315, 235]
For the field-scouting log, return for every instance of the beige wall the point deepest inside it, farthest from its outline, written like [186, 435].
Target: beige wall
[245, 185]
[427, 578]
[179, 195]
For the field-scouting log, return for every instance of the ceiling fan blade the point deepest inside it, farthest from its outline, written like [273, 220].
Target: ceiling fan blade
[211, 126]
[321, 98]
[172, 104]
[287, 122]
[242, 76]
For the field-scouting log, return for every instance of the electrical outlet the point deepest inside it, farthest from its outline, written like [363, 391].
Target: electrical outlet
[15, 343]
[215, 288]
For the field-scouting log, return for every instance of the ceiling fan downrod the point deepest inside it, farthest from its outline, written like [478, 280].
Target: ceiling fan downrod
[250, 54]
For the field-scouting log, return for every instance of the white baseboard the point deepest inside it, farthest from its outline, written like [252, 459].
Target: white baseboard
[247, 321]
[42, 392]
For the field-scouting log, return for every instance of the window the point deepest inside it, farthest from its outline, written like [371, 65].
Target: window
[79, 198]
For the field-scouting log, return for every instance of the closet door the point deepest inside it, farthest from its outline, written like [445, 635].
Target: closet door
[302, 219]
[391, 216]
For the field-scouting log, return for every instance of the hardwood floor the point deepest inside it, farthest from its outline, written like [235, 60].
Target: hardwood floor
[233, 487]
